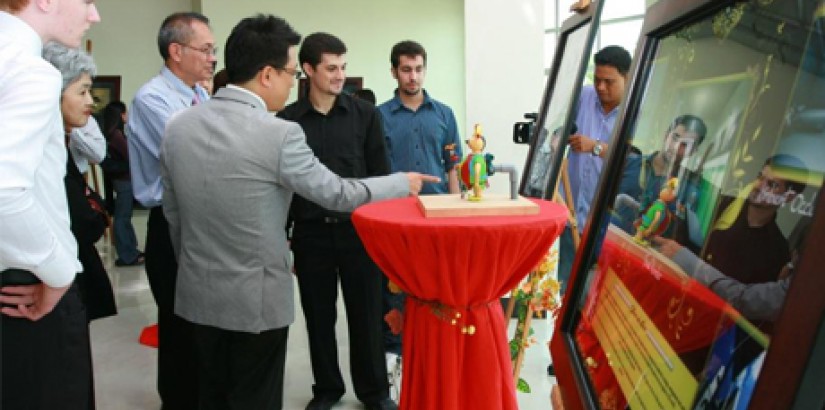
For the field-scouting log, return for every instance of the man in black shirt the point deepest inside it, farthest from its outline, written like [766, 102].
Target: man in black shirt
[345, 133]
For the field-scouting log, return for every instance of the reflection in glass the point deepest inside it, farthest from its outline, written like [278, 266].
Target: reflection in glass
[555, 112]
[732, 107]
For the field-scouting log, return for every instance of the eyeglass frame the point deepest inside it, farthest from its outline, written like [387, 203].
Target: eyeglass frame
[295, 72]
[208, 50]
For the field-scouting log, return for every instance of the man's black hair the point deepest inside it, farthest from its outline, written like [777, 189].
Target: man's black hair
[614, 56]
[407, 48]
[316, 45]
[691, 123]
[257, 42]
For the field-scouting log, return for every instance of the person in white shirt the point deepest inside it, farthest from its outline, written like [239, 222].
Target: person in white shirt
[87, 144]
[44, 349]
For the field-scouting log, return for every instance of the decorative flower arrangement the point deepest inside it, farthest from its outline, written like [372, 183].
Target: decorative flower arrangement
[538, 295]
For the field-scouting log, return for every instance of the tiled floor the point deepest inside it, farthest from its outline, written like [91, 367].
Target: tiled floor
[125, 370]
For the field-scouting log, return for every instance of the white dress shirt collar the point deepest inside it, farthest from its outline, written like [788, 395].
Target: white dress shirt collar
[257, 97]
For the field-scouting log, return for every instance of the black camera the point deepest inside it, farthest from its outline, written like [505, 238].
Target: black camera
[523, 130]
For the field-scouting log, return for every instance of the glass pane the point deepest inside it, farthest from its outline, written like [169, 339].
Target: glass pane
[550, 40]
[554, 113]
[698, 248]
[550, 14]
[623, 34]
[622, 8]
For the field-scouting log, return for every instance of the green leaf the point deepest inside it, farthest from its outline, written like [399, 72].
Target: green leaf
[514, 347]
[522, 386]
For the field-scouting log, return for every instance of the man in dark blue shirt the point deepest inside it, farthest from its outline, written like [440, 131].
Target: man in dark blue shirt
[419, 131]
[346, 135]
[418, 127]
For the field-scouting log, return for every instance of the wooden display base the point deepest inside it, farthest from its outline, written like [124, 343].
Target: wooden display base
[441, 206]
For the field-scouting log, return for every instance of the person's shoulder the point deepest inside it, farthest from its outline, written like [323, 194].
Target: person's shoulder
[588, 91]
[388, 107]
[183, 119]
[393, 103]
[439, 106]
[358, 104]
[634, 160]
[153, 86]
[278, 125]
[18, 65]
[290, 112]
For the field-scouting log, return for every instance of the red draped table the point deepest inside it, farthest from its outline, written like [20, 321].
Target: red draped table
[454, 270]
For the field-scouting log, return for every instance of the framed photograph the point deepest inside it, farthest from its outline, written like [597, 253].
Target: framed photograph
[556, 113]
[351, 84]
[105, 89]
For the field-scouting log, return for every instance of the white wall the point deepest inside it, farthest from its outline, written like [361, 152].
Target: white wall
[370, 28]
[484, 56]
[124, 43]
[504, 73]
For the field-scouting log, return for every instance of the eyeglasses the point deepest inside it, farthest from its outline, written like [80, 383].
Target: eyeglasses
[295, 72]
[208, 50]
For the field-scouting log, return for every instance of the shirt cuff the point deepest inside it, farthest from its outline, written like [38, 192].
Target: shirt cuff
[58, 272]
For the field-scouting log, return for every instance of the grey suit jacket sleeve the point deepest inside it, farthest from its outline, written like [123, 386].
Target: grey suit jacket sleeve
[300, 171]
[759, 301]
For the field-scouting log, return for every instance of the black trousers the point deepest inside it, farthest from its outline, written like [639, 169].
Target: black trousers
[177, 359]
[241, 370]
[325, 253]
[47, 364]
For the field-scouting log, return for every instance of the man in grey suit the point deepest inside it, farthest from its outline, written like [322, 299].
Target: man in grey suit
[229, 169]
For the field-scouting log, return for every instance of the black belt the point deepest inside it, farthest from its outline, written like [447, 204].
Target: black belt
[325, 220]
[335, 220]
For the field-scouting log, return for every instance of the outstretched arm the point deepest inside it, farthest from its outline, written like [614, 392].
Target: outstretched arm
[759, 301]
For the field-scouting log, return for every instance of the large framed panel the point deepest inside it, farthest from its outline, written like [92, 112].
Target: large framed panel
[689, 285]
[557, 110]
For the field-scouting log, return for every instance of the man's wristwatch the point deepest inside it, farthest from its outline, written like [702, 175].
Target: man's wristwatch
[597, 149]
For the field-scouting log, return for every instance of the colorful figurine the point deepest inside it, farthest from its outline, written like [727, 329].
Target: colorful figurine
[656, 217]
[476, 167]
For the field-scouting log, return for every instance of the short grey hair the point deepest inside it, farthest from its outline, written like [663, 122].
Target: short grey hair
[71, 62]
[177, 28]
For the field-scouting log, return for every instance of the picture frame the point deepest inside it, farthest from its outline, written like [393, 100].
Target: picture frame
[757, 104]
[556, 114]
[105, 89]
[351, 84]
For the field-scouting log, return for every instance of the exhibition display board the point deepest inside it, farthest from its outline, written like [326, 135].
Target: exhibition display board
[693, 284]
